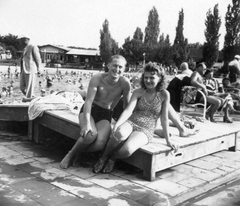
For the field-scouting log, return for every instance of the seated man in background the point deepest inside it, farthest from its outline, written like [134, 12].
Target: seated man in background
[176, 84]
[222, 99]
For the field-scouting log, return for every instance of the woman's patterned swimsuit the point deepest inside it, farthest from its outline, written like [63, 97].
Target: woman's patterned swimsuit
[145, 115]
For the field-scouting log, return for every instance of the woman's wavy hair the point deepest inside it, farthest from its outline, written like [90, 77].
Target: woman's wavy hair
[154, 68]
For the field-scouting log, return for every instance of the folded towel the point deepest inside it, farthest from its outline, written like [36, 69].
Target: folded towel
[51, 102]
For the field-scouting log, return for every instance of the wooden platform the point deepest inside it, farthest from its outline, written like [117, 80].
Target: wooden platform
[14, 112]
[155, 156]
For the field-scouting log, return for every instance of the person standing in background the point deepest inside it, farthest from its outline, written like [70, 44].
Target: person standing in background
[30, 65]
[234, 69]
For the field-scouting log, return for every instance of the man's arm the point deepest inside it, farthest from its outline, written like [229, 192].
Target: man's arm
[194, 82]
[91, 93]
[36, 57]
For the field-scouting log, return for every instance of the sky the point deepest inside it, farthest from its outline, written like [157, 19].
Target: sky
[78, 22]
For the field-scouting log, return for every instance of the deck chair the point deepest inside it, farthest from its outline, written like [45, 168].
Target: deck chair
[189, 100]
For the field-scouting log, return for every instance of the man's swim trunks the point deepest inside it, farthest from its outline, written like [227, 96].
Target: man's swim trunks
[99, 113]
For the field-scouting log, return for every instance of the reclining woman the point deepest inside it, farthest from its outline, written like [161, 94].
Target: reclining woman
[224, 100]
[137, 123]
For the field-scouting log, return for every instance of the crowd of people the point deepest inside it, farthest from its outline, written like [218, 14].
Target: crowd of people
[144, 100]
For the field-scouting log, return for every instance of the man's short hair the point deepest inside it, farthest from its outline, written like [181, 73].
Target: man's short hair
[117, 57]
[237, 57]
[184, 66]
[201, 65]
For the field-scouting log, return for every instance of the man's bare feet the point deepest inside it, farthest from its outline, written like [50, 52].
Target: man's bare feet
[188, 132]
[67, 160]
[76, 160]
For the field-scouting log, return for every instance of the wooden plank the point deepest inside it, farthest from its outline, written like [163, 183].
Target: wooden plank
[166, 160]
[64, 115]
[14, 113]
[61, 125]
[30, 130]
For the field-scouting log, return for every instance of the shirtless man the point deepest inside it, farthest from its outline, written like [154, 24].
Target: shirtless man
[196, 80]
[104, 92]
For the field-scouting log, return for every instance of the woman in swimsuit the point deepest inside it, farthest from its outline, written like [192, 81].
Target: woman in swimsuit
[136, 125]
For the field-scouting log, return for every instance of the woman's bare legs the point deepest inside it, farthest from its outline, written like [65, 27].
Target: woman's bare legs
[134, 142]
[215, 104]
[183, 131]
[113, 144]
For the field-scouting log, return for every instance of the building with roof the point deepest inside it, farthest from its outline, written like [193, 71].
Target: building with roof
[67, 55]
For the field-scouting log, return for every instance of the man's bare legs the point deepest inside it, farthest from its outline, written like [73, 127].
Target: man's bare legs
[183, 131]
[215, 104]
[94, 141]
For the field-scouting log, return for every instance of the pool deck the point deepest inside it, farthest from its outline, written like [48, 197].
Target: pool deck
[30, 175]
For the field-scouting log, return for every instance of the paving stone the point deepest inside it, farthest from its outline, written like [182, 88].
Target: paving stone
[33, 167]
[50, 174]
[192, 182]
[119, 201]
[136, 178]
[182, 168]
[226, 169]
[5, 152]
[131, 190]
[82, 172]
[165, 173]
[84, 189]
[16, 160]
[118, 173]
[10, 143]
[210, 158]
[176, 177]
[32, 186]
[23, 149]
[44, 159]
[228, 155]
[10, 197]
[106, 180]
[221, 172]
[229, 162]
[76, 202]
[52, 197]
[10, 174]
[203, 164]
[202, 174]
[167, 187]
[154, 199]
[2, 148]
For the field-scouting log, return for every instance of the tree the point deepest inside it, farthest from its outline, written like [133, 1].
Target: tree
[211, 46]
[164, 54]
[152, 29]
[179, 49]
[196, 45]
[133, 49]
[232, 36]
[108, 46]
[13, 43]
[138, 34]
